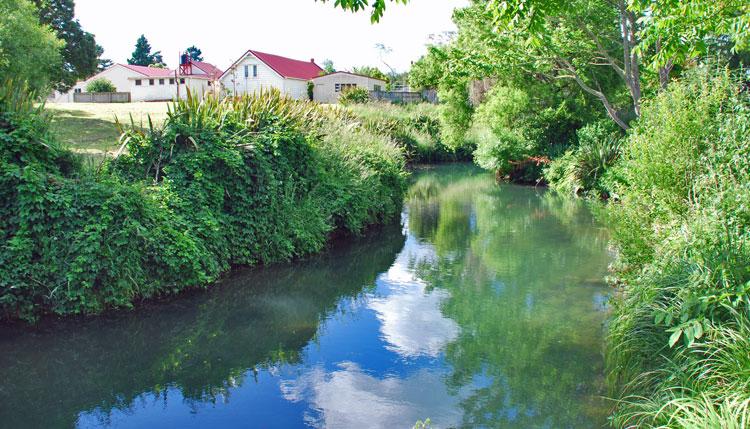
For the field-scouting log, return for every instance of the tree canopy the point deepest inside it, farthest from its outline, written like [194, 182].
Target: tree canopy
[194, 53]
[81, 53]
[29, 51]
[142, 55]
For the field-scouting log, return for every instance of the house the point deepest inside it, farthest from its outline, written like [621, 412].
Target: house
[329, 87]
[150, 83]
[255, 71]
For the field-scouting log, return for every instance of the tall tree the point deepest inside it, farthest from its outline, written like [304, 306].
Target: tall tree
[142, 55]
[328, 66]
[194, 53]
[29, 51]
[80, 53]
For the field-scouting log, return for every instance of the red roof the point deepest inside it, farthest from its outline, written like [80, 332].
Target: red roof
[150, 71]
[211, 70]
[288, 67]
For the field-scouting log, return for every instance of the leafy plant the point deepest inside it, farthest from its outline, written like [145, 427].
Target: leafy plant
[101, 85]
[354, 95]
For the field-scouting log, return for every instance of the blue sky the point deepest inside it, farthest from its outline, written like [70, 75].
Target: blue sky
[300, 29]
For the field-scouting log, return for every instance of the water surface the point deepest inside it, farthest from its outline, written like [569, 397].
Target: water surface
[482, 308]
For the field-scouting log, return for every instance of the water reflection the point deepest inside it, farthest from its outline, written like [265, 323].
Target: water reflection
[484, 309]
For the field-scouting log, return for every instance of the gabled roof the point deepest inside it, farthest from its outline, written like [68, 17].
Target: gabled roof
[211, 70]
[350, 73]
[285, 67]
[150, 71]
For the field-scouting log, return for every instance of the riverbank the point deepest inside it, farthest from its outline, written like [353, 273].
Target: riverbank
[239, 182]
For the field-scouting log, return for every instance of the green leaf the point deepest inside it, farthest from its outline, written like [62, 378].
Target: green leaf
[675, 337]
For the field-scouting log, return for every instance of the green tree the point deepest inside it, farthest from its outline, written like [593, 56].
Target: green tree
[80, 53]
[29, 51]
[142, 55]
[328, 66]
[101, 85]
[194, 53]
[371, 71]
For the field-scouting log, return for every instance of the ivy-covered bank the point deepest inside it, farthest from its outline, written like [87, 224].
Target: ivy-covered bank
[221, 183]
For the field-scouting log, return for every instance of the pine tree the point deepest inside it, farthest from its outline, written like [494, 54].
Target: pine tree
[194, 53]
[142, 55]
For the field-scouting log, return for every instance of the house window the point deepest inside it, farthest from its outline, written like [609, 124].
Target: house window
[78, 90]
[344, 86]
[182, 81]
[138, 82]
[171, 81]
[150, 81]
[377, 88]
[161, 81]
[247, 72]
[255, 70]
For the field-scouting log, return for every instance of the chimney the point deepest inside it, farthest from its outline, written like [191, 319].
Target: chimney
[312, 60]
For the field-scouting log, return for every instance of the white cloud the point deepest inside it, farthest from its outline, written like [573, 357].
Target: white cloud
[300, 29]
[350, 398]
[410, 316]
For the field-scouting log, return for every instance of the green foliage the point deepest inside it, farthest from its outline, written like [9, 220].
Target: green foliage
[373, 72]
[81, 53]
[377, 7]
[414, 127]
[455, 114]
[310, 90]
[328, 66]
[142, 55]
[195, 53]
[585, 168]
[29, 52]
[101, 85]
[240, 181]
[679, 31]
[354, 95]
[517, 134]
[682, 229]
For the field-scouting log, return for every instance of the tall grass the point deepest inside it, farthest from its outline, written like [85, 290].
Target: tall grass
[679, 340]
[416, 128]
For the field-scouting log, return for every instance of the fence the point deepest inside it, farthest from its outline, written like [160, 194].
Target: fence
[101, 97]
[404, 97]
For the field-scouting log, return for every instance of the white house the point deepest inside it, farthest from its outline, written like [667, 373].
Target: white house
[255, 71]
[329, 87]
[150, 83]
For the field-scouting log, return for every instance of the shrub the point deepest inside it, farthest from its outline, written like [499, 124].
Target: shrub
[517, 135]
[585, 168]
[414, 127]
[455, 114]
[677, 352]
[239, 181]
[354, 96]
[101, 85]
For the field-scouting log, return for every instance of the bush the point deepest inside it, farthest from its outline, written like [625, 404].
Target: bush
[678, 353]
[517, 135]
[586, 167]
[239, 181]
[414, 127]
[354, 96]
[455, 114]
[100, 85]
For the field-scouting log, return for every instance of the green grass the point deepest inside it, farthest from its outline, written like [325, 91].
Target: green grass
[90, 127]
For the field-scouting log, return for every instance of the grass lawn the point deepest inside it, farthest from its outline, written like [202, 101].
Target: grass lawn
[90, 127]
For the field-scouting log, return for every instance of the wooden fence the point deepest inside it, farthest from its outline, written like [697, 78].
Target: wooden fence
[101, 97]
[404, 97]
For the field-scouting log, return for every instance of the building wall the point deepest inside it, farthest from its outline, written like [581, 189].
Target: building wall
[159, 92]
[124, 80]
[117, 74]
[325, 86]
[234, 81]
